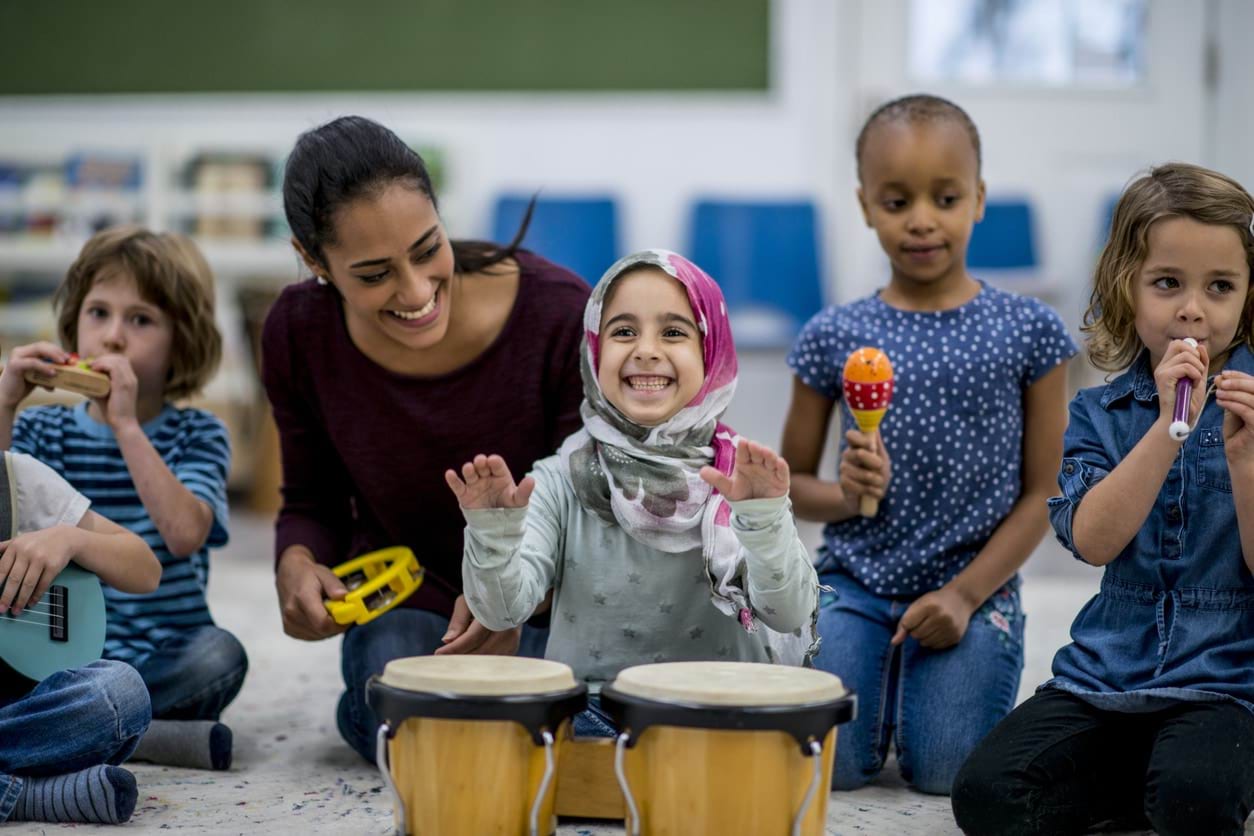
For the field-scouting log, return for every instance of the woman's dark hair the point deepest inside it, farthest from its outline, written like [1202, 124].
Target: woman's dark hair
[351, 157]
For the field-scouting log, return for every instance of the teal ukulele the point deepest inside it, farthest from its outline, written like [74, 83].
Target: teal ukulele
[65, 629]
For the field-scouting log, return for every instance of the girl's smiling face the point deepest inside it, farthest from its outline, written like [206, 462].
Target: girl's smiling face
[650, 364]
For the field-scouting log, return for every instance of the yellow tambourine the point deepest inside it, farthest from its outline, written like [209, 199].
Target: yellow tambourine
[376, 583]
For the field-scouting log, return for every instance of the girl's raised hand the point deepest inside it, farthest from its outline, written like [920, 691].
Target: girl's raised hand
[486, 483]
[1235, 394]
[36, 357]
[1181, 360]
[759, 473]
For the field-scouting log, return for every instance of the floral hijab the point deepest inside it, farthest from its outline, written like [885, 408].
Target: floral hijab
[646, 480]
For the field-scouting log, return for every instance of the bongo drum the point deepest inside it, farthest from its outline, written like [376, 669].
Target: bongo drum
[726, 747]
[469, 744]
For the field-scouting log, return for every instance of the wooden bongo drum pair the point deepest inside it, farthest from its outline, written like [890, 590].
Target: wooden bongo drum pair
[470, 744]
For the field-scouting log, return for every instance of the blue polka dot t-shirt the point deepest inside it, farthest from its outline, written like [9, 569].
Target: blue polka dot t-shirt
[954, 428]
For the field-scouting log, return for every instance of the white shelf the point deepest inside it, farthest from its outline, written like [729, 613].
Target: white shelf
[229, 259]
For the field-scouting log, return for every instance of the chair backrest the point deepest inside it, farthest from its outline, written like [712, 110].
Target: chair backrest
[1005, 239]
[765, 257]
[579, 233]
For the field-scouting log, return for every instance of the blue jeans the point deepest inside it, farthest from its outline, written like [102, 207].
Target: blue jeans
[396, 634]
[593, 722]
[72, 720]
[935, 705]
[195, 676]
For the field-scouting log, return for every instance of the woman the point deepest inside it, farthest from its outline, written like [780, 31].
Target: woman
[405, 354]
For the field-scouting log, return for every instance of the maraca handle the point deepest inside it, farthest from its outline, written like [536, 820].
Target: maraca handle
[868, 506]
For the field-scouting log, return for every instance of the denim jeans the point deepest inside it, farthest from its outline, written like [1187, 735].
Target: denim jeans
[935, 705]
[593, 721]
[195, 676]
[1058, 765]
[72, 720]
[396, 634]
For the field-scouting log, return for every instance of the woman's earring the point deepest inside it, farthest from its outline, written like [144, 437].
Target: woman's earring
[321, 280]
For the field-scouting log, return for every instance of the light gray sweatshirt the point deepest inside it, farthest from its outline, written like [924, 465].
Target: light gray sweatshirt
[618, 602]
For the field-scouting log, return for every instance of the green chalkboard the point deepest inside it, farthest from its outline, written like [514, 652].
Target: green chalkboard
[203, 46]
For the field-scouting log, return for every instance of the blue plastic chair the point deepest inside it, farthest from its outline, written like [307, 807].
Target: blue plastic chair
[1005, 239]
[765, 257]
[579, 233]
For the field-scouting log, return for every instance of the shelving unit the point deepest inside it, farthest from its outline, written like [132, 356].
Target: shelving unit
[44, 224]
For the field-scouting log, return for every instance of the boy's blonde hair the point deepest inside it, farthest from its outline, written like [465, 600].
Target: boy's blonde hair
[171, 273]
[1172, 190]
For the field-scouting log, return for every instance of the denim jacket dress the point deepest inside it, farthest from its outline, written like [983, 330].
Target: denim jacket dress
[1174, 619]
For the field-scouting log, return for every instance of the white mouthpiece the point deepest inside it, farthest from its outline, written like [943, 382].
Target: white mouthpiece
[1192, 344]
[1179, 430]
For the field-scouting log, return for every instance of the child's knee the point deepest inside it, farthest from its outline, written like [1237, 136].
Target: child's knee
[1196, 800]
[119, 699]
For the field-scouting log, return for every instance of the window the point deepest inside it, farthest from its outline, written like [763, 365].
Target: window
[1047, 43]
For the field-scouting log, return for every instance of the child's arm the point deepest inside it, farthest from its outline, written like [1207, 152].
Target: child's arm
[864, 466]
[512, 541]
[14, 387]
[1113, 511]
[30, 562]
[1235, 394]
[781, 584]
[182, 519]
[939, 619]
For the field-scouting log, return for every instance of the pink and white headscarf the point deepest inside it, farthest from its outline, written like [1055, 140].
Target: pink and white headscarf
[646, 480]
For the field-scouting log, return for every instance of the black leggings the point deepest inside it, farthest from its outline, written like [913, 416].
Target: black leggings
[1057, 765]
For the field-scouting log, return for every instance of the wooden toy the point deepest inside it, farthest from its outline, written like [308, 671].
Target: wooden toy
[74, 376]
[376, 583]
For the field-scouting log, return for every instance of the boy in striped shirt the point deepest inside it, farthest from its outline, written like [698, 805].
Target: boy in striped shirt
[141, 304]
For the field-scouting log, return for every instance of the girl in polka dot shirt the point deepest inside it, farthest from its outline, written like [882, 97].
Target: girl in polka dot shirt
[923, 619]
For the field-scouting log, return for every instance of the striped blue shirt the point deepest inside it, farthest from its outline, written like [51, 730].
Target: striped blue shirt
[194, 445]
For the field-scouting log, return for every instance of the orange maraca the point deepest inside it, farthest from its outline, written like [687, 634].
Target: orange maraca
[868, 387]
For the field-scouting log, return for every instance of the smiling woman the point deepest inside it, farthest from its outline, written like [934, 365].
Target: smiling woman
[404, 355]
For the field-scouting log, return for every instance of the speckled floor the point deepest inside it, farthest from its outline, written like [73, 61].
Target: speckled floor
[293, 775]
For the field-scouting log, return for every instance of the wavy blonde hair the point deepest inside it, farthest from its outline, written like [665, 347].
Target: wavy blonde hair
[171, 273]
[1172, 190]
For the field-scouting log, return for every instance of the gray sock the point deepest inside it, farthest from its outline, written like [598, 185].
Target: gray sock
[196, 744]
[101, 794]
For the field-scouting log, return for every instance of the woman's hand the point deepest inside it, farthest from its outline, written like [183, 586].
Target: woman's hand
[487, 483]
[467, 635]
[759, 473]
[1181, 360]
[35, 357]
[865, 468]
[303, 585]
[29, 563]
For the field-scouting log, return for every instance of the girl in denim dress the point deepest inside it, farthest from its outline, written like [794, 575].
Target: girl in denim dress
[922, 617]
[1149, 718]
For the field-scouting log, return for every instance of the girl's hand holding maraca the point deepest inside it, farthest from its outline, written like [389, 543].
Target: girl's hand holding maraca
[865, 469]
[487, 483]
[868, 389]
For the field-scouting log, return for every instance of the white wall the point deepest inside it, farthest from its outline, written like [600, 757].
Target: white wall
[832, 61]
[1067, 151]
[656, 151]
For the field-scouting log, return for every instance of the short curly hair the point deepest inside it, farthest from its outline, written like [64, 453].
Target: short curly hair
[171, 273]
[915, 108]
[1171, 190]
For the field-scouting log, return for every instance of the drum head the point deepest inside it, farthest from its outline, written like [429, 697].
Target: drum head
[744, 684]
[484, 676]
